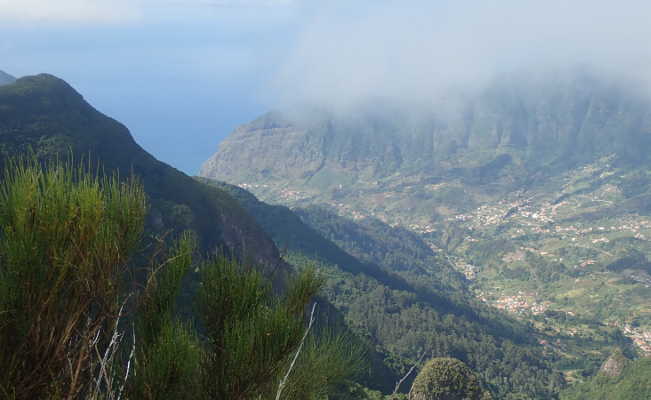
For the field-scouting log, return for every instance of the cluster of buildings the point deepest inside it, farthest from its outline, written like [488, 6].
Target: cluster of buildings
[521, 304]
[640, 337]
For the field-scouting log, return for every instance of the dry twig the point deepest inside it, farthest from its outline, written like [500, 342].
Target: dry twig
[283, 382]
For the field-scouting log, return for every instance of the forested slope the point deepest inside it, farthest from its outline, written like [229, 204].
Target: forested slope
[404, 319]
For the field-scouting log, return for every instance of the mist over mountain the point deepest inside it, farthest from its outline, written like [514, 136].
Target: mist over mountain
[348, 56]
[535, 187]
[465, 180]
[553, 123]
[430, 199]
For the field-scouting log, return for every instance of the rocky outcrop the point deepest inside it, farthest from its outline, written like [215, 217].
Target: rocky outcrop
[614, 365]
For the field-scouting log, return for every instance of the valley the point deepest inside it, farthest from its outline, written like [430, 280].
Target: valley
[304, 200]
[565, 254]
[384, 292]
[531, 275]
[556, 235]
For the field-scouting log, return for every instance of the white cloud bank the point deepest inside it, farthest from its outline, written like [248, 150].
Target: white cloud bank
[69, 11]
[110, 11]
[245, 3]
[349, 52]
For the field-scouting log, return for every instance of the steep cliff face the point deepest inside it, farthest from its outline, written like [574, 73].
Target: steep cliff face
[255, 148]
[44, 116]
[553, 124]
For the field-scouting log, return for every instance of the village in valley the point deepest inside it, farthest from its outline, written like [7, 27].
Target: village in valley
[578, 224]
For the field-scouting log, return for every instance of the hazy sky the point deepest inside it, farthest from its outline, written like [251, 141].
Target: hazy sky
[182, 73]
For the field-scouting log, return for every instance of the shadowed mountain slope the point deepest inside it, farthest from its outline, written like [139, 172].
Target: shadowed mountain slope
[43, 115]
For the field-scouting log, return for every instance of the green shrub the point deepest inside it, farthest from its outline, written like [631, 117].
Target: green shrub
[66, 238]
[253, 336]
[445, 379]
[72, 327]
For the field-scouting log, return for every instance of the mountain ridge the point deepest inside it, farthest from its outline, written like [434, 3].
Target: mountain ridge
[5, 78]
[44, 116]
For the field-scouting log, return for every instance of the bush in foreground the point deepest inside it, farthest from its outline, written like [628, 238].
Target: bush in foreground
[446, 379]
[72, 326]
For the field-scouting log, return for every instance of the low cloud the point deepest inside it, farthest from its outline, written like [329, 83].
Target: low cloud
[66, 11]
[112, 11]
[347, 54]
[246, 3]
